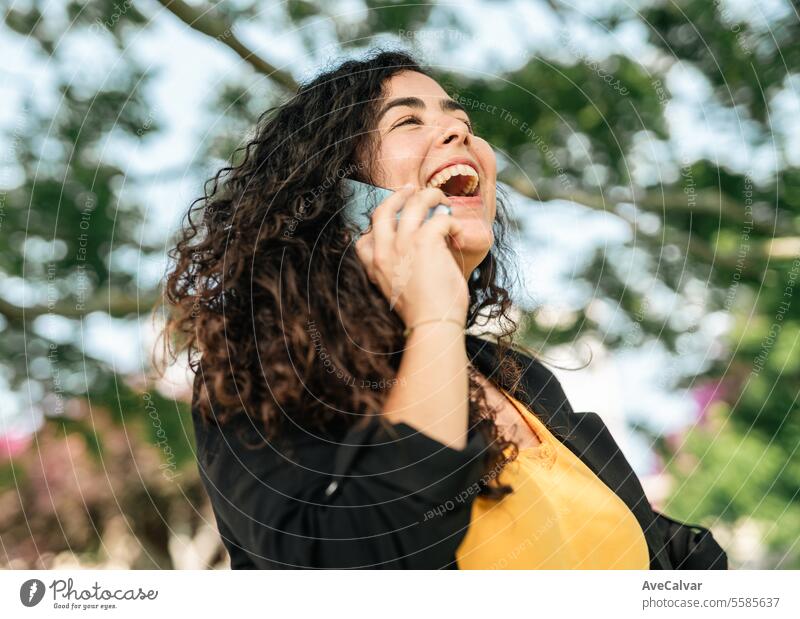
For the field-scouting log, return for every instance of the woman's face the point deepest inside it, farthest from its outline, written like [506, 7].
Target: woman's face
[424, 138]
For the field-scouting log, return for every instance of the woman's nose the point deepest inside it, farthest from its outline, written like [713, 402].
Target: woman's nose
[454, 131]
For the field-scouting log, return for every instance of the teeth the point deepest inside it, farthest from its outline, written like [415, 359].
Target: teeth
[458, 169]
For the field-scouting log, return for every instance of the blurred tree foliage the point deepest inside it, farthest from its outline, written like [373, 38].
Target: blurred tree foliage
[590, 128]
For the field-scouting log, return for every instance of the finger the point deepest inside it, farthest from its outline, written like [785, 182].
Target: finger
[456, 237]
[416, 211]
[364, 251]
[442, 225]
[363, 247]
[391, 204]
[383, 226]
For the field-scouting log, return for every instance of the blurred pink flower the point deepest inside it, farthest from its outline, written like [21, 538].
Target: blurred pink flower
[13, 444]
[705, 395]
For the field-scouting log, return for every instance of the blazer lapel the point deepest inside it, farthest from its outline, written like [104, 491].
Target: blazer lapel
[585, 434]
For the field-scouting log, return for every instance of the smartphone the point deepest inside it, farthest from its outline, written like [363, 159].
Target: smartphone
[362, 198]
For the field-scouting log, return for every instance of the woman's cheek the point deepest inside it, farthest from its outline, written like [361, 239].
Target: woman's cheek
[400, 167]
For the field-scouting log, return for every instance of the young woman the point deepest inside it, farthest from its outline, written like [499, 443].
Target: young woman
[343, 417]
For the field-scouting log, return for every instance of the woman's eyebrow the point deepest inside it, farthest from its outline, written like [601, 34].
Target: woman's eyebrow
[450, 105]
[446, 105]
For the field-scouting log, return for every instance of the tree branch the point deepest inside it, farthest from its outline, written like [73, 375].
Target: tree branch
[115, 303]
[775, 249]
[704, 202]
[202, 21]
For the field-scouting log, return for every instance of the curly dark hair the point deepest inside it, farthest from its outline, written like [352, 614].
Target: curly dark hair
[267, 293]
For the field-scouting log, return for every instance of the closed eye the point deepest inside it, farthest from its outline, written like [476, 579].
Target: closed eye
[410, 119]
[418, 121]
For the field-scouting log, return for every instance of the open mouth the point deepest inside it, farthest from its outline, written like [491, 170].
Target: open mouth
[456, 180]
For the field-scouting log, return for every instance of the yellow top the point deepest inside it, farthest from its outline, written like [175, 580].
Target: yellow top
[560, 516]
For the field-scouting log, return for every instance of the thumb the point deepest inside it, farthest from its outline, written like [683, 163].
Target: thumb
[455, 234]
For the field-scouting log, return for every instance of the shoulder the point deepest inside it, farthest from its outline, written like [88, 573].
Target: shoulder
[240, 440]
[542, 387]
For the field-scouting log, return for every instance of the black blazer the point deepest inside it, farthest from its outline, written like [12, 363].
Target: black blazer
[360, 499]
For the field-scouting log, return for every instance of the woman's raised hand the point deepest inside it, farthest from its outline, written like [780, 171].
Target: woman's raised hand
[411, 259]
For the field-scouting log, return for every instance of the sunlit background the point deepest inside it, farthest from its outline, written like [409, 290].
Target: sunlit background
[650, 150]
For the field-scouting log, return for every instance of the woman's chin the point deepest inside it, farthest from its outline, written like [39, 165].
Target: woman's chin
[477, 235]
[475, 242]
